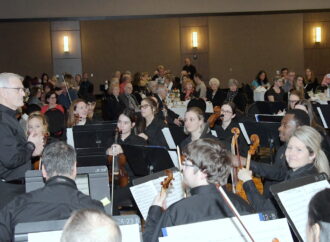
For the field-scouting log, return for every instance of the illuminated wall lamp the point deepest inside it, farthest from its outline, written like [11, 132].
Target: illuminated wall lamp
[318, 35]
[194, 39]
[66, 44]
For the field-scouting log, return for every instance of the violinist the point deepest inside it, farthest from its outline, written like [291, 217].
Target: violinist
[206, 166]
[150, 126]
[304, 157]
[195, 126]
[126, 125]
[227, 122]
[276, 172]
[78, 112]
[37, 124]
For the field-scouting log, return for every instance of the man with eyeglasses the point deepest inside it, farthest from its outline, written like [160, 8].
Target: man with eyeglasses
[15, 149]
[207, 166]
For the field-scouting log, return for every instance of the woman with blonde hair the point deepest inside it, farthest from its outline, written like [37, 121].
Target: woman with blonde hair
[304, 157]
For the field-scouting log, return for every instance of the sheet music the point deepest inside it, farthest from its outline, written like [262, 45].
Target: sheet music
[130, 233]
[174, 157]
[214, 231]
[295, 202]
[322, 117]
[245, 134]
[169, 139]
[69, 137]
[145, 193]
[51, 236]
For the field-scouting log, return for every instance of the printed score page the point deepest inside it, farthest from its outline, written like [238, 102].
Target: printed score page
[145, 193]
[296, 200]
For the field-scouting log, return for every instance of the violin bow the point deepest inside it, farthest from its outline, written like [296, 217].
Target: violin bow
[234, 210]
[180, 167]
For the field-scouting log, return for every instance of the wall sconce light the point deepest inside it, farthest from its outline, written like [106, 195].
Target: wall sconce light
[194, 39]
[66, 44]
[318, 35]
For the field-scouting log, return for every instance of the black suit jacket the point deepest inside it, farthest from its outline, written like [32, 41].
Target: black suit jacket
[112, 108]
[124, 99]
[218, 98]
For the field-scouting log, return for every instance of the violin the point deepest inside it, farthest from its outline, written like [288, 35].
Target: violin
[235, 151]
[255, 142]
[118, 162]
[215, 116]
[167, 181]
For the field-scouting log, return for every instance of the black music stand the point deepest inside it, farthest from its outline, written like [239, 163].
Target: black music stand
[268, 134]
[270, 107]
[177, 134]
[144, 160]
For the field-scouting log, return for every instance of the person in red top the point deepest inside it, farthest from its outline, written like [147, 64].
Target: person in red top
[51, 99]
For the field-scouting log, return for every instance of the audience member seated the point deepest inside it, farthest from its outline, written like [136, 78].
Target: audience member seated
[318, 225]
[164, 113]
[227, 117]
[150, 127]
[188, 90]
[124, 79]
[90, 225]
[294, 97]
[140, 85]
[195, 126]
[200, 86]
[215, 95]
[299, 86]
[47, 88]
[152, 88]
[35, 95]
[275, 93]
[51, 103]
[78, 112]
[56, 200]
[113, 106]
[169, 82]
[304, 156]
[261, 80]
[159, 76]
[128, 98]
[206, 166]
[235, 95]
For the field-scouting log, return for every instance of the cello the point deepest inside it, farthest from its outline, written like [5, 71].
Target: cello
[255, 141]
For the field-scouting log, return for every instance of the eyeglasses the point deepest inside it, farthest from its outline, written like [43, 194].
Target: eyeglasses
[145, 106]
[18, 89]
[226, 112]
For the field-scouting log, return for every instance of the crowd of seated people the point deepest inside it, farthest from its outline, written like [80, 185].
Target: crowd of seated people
[139, 106]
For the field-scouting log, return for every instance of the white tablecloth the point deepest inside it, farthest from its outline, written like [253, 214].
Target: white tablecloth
[180, 108]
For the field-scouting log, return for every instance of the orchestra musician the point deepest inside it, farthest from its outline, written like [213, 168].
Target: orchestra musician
[227, 117]
[150, 126]
[78, 113]
[318, 226]
[206, 166]
[195, 126]
[15, 149]
[276, 172]
[304, 156]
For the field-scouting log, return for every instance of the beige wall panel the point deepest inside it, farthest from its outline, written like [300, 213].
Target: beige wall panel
[240, 46]
[25, 48]
[135, 45]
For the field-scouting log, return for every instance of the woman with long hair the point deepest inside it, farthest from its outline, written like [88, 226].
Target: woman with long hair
[260, 80]
[77, 114]
[150, 127]
[195, 126]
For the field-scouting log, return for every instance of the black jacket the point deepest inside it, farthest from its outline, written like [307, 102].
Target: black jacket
[112, 108]
[125, 100]
[260, 203]
[154, 132]
[188, 140]
[15, 151]
[218, 98]
[205, 203]
[56, 200]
